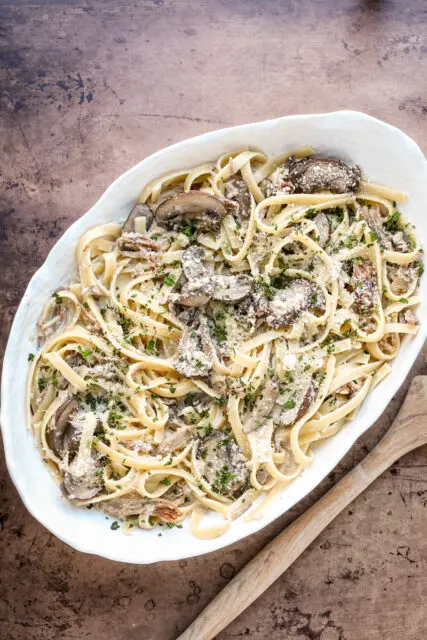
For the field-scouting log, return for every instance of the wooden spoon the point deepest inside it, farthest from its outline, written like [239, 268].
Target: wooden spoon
[408, 431]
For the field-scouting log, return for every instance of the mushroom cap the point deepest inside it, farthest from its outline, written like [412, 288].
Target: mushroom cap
[323, 229]
[205, 210]
[309, 175]
[60, 431]
[76, 488]
[192, 297]
[231, 288]
[223, 464]
[237, 191]
[140, 210]
[288, 304]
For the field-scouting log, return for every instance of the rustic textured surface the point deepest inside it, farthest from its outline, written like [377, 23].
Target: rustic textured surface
[86, 90]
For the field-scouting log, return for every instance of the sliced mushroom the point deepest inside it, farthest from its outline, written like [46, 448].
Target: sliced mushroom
[80, 487]
[189, 297]
[231, 288]
[375, 221]
[140, 210]
[288, 304]
[323, 228]
[364, 287]
[208, 345]
[263, 406]
[199, 287]
[204, 284]
[81, 467]
[192, 361]
[192, 263]
[237, 190]
[180, 438]
[408, 316]
[204, 210]
[223, 465]
[309, 175]
[350, 388]
[136, 242]
[132, 504]
[297, 406]
[60, 430]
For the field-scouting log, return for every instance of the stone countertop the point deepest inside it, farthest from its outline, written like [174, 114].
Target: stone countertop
[87, 89]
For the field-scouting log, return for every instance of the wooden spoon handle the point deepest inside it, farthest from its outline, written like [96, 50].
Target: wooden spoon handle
[408, 431]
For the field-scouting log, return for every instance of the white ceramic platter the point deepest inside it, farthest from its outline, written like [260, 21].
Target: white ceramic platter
[385, 154]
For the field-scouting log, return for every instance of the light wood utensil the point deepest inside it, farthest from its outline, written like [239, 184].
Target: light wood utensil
[408, 431]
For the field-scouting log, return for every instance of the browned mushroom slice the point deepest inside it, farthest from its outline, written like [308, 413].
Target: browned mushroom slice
[132, 504]
[309, 175]
[375, 221]
[288, 304]
[323, 229]
[237, 191]
[223, 465]
[192, 361]
[263, 406]
[80, 463]
[136, 242]
[190, 297]
[364, 282]
[180, 438]
[76, 487]
[203, 283]
[408, 316]
[295, 407]
[197, 207]
[140, 210]
[198, 290]
[231, 288]
[60, 430]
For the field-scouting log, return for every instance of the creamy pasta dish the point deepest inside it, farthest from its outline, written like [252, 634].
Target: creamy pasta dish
[242, 313]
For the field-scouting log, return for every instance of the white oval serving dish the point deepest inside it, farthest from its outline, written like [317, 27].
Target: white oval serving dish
[386, 155]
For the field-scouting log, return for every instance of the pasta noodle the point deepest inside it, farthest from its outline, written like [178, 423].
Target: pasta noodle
[241, 314]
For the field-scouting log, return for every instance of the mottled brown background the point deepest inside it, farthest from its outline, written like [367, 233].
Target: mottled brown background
[88, 89]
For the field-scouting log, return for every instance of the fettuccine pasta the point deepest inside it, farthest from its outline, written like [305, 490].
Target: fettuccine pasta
[241, 314]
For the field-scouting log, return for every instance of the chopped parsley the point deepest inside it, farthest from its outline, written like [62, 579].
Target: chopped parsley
[41, 382]
[310, 213]
[169, 280]
[223, 477]
[351, 241]
[392, 222]
[165, 481]
[264, 287]
[84, 352]
[57, 297]
[420, 268]
[220, 332]
[289, 404]
[151, 348]
[125, 323]
[115, 525]
[31, 357]
[189, 230]
[405, 300]
[115, 419]
[203, 431]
